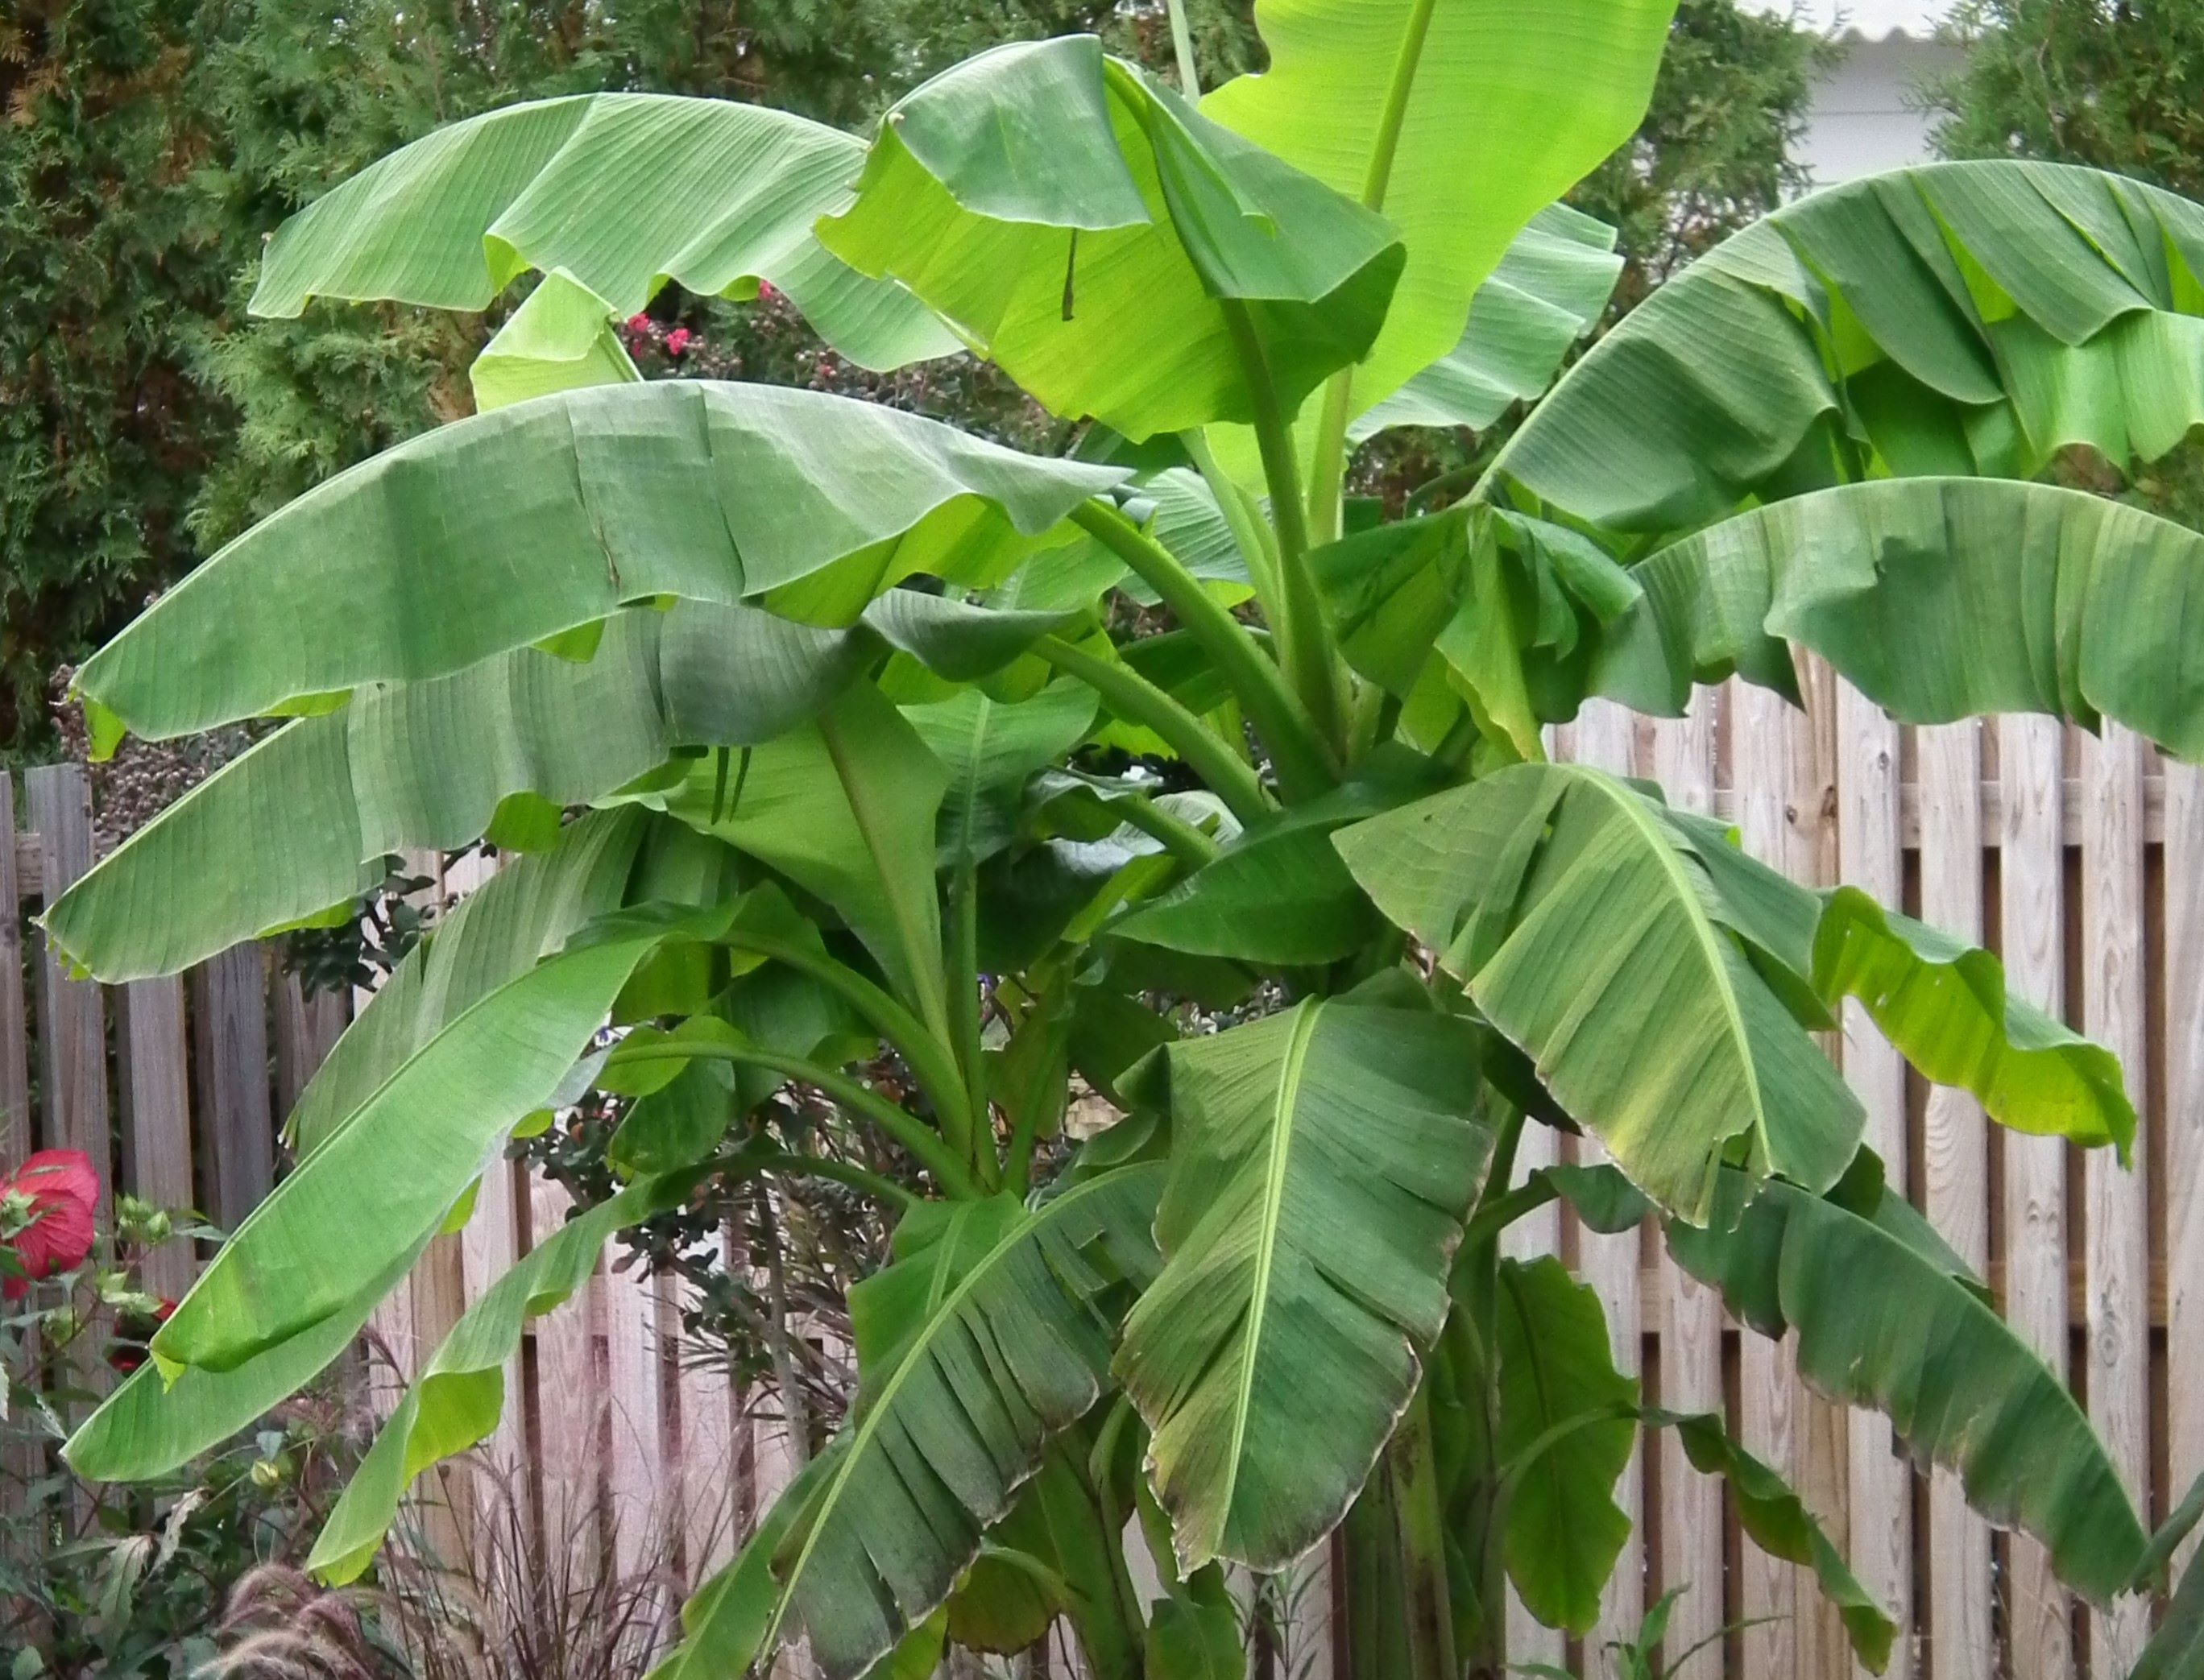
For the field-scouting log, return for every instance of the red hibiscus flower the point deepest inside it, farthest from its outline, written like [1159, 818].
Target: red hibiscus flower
[678, 340]
[51, 1195]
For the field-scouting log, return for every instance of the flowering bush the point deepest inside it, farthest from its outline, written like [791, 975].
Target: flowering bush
[101, 1582]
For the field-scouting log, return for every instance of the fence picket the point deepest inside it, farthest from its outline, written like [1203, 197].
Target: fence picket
[153, 1083]
[2184, 1109]
[2032, 874]
[229, 1031]
[72, 1014]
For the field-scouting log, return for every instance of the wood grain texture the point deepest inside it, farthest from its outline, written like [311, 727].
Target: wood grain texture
[1879, 1482]
[2184, 1109]
[570, 1441]
[2032, 920]
[2116, 1209]
[640, 1500]
[1955, 1184]
[153, 1081]
[229, 1042]
[18, 1129]
[1777, 773]
[72, 1014]
[1679, 755]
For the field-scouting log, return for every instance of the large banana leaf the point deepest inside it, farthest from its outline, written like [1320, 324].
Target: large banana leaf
[388, 1173]
[157, 1422]
[1504, 106]
[1595, 940]
[1322, 1163]
[560, 340]
[1105, 243]
[1967, 318]
[1885, 1319]
[493, 533]
[991, 749]
[431, 764]
[620, 191]
[1938, 598]
[1568, 1423]
[1548, 292]
[1942, 1004]
[983, 1340]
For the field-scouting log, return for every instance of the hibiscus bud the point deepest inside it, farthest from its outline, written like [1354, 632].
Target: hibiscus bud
[267, 1475]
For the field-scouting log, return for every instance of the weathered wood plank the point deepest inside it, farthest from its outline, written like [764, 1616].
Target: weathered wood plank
[1689, 1322]
[307, 1025]
[639, 1498]
[444, 1500]
[1955, 1172]
[570, 1396]
[1879, 1483]
[72, 1014]
[2184, 1109]
[2032, 920]
[230, 1043]
[18, 1129]
[2116, 1208]
[154, 1084]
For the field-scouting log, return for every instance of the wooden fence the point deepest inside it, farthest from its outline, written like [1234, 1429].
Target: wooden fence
[2081, 861]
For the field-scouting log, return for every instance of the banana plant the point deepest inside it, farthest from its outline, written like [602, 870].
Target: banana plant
[814, 735]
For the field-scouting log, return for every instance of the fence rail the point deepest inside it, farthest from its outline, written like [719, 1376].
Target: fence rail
[2081, 861]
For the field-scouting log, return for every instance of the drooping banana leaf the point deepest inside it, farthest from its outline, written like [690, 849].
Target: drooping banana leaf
[1056, 206]
[157, 1422]
[724, 1625]
[493, 533]
[1885, 1319]
[455, 1401]
[1501, 109]
[561, 338]
[622, 191]
[387, 1172]
[1593, 939]
[1967, 318]
[991, 1341]
[1938, 599]
[1942, 1004]
[1776, 1520]
[1322, 1163]
[1549, 290]
[1568, 1423]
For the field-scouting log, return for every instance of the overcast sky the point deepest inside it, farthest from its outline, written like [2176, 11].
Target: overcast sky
[1872, 18]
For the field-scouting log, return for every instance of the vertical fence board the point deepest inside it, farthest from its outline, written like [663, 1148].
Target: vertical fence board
[154, 1084]
[1955, 1172]
[229, 1032]
[1871, 856]
[2184, 1109]
[2032, 919]
[637, 1491]
[569, 1395]
[17, 1133]
[2117, 1255]
[1681, 758]
[72, 1014]
[1762, 767]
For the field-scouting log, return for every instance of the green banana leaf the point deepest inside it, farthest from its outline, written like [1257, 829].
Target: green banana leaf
[349, 1209]
[1592, 938]
[727, 1623]
[985, 1341]
[1885, 1319]
[455, 1403]
[561, 338]
[432, 764]
[846, 806]
[1938, 598]
[1942, 1004]
[490, 533]
[157, 1422]
[1502, 108]
[1776, 1520]
[991, 749]
[1322, 1163]
[1056, 206]
[1968, 318]
[1547, 293]
[621, 192]
[1568, 1423]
